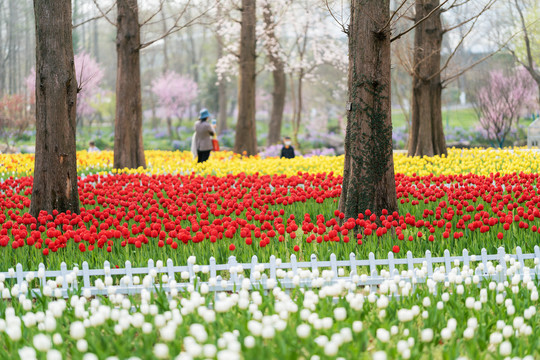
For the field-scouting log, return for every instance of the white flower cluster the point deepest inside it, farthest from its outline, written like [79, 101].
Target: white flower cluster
[331, 316]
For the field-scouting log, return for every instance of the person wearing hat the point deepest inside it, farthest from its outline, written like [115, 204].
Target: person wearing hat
[203, 136]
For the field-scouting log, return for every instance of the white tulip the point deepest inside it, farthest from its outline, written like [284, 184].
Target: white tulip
[383, 335]
[161, 351]
[426, 335]
[505, 348]
[303, 331]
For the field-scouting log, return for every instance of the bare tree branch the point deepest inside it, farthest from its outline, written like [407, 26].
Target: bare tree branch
[104, 14]
[462, 39]
[461, 72]
[526, 37]
[341, 25]
[419, 21]
[389, 22]
[95, 17]
[160, 8]
[484, 9]
[455, 4]
[176, 26]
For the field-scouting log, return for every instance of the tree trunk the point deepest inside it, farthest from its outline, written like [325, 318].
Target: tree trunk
[96, 40]
[426, 137]
[222, 104]
[278, 104]
[222, 89]
[368, 179]
[55, 167]
[293, 100]
[165, 48]
[298, 111]
[2, 55]
[280, 85]
[246, 135]
[170, 128]
[12, 52]
[128, 141]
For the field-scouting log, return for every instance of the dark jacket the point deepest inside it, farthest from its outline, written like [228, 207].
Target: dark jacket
[287, 152]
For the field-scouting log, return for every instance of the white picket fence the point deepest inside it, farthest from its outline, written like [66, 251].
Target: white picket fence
[228, 277]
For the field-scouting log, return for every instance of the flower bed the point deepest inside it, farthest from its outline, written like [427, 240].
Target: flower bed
[461, 317]
[136, 217]
[176, 209]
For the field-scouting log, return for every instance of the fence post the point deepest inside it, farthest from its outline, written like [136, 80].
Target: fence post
[86, 275]
[519, 255]
[483, 255]
[537, 256]
[501, 254]
[273, 267]
[212, 267]
[410, 267]
[373, 270]
[129, 276]
[42, 281]
[333, 265]
[234, 276]
[391, 264]
[19, 274]
[191, 273]
[352, 259]
[254, 262]
[170, 272]
[150, 267]
[294, 265]
[429, 264]
[466, 258]
[314, 265]
[447, 263]
[63, 271]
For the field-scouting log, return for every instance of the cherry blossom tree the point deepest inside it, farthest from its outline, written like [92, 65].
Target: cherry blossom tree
[295, 35]
[175, 93]
[315, 43]
[89, 75]
[500, 104]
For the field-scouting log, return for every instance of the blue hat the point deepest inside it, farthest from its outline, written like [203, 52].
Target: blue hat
[204, 114]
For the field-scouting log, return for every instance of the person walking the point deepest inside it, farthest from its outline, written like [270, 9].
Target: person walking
[203, 136]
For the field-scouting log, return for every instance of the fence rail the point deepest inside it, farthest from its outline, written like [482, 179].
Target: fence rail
[229, 276]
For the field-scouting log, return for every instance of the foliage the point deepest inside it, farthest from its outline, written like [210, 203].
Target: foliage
[460, 316]
[16, 116]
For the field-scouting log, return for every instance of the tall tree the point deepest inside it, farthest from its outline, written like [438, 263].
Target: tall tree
[278, 74]
[222, 84]
[368, 179]
[430, 75]
[128, 140]
[55, 168]
[246, 135]
[426, 136]
[529, 56]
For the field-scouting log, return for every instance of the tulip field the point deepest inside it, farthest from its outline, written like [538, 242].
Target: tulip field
[237, 206]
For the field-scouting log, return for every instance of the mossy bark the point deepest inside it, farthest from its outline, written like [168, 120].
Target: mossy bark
[278, 75]
[55, 167]
[368, 180]
[128, 139]
[426, 137]
[246, 134]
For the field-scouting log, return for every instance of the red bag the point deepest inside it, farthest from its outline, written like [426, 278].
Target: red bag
[215, 144]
